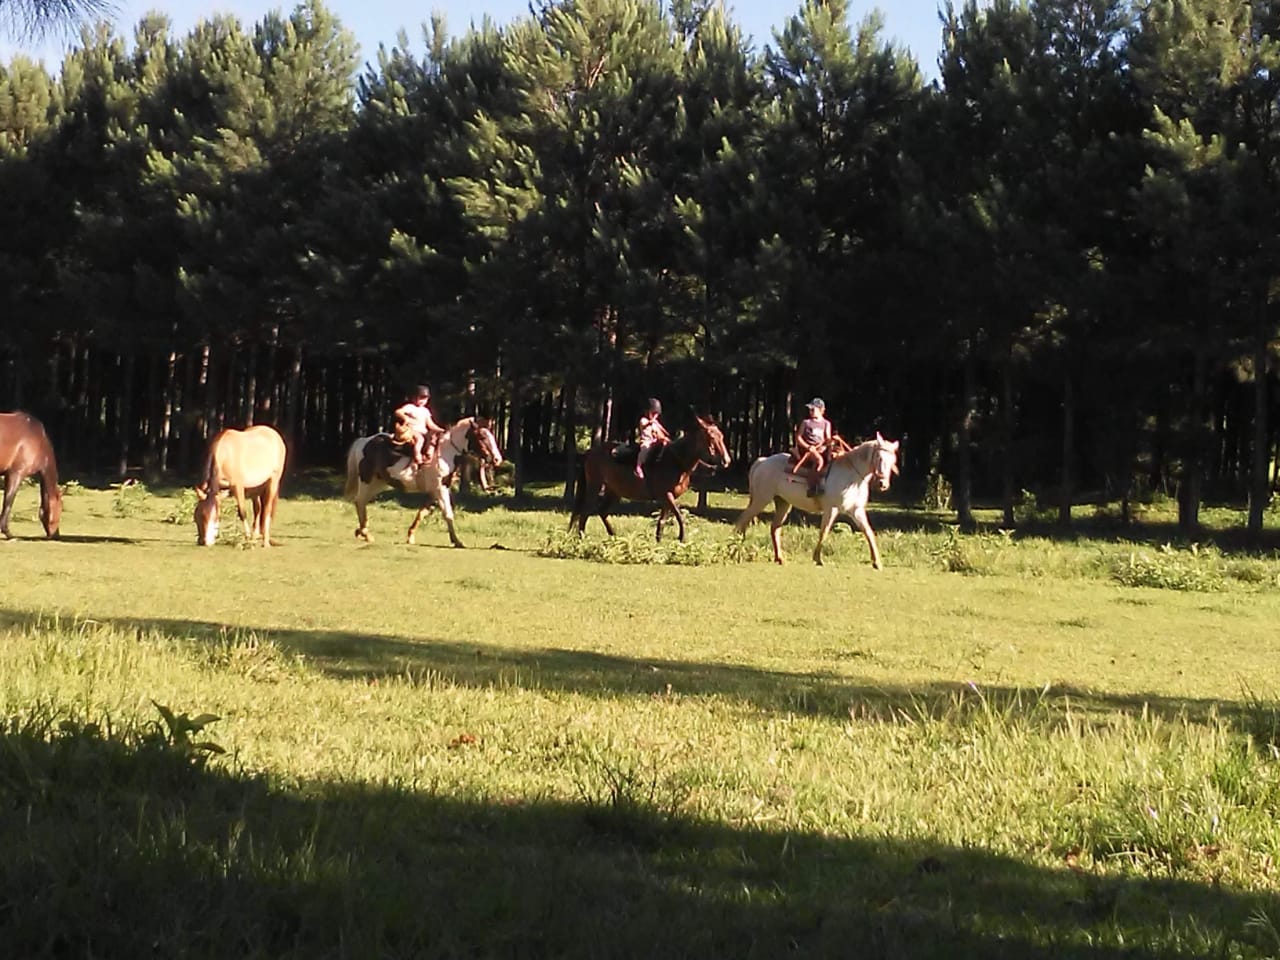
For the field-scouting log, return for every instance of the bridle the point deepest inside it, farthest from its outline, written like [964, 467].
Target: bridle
[878, 471]
[474, 446]
[709, 436]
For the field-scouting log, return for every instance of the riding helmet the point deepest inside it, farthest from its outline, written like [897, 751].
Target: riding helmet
[816, 404]
[422, 392]
[655, 406]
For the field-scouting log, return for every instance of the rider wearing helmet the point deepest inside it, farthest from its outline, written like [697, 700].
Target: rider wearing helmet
[415, 425]
[650, 433]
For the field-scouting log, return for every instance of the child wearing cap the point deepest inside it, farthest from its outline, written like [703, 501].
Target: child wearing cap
[813, 436]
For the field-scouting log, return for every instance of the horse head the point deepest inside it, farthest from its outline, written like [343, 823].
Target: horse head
[51, 511]
[482, 442]
[206, 516]
[884, 461]
[712, 449]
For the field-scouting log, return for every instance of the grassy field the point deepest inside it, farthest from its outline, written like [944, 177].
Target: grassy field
[997, 746]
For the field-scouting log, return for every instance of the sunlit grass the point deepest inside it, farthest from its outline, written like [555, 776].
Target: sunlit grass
[992, 747]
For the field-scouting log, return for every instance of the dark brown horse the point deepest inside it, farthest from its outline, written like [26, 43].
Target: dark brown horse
[25, 451]
[604, 479]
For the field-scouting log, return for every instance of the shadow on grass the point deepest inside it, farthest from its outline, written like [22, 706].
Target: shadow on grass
[122, 845]
[369, 657]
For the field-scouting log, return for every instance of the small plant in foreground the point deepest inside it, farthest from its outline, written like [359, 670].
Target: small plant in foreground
[184, 508]
[1171, 569]
[128, 499]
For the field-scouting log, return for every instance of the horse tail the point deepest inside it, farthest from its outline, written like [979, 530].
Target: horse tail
[353, 470]
[579, 488]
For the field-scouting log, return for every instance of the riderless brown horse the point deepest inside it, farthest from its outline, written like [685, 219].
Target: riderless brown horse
[604, 479]
[25, 451]
[249, 462]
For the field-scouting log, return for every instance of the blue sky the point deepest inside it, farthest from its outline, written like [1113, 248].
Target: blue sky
[912, 23]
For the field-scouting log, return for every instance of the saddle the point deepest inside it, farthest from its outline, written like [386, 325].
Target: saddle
[380, 454]
[626, 454]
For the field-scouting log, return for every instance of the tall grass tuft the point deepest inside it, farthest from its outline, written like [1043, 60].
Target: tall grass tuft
[642, 548]
[1195, 568]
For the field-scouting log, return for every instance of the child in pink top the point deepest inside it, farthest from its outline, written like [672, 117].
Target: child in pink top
[414, 424]
[651, 433]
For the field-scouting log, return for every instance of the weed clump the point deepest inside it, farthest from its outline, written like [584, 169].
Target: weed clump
[643, 549]
[1169, 568]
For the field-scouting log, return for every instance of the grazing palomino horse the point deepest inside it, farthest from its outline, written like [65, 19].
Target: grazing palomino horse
[472, 435]
[603, 479]
[25, 451]
[847, 489]
[249, 461]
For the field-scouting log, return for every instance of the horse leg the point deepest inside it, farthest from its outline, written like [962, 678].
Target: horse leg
[362, 516]
[674, 508]
[662, 515]
[267, 509]
[753, 508]
[828, 521]
[242, 510]
[411, 537]
[781, 509]
[607, 502]
[862, 523]
[446, 508]
[12, 481]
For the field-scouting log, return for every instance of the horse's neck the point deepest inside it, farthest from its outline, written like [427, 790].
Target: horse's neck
[49, 478]
[454, 444]
[858, 462]
[683, 451]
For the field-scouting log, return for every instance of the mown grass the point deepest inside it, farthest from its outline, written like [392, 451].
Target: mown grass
[489, 752]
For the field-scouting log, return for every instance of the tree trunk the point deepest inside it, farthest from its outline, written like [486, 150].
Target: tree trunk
[1189, 493]
[124, 419]
[962, 488]
[1258, 486]
[1067, 479]
[515, 429]
[1007, 486]
[167, 406]
[293, 422]
[570, 395]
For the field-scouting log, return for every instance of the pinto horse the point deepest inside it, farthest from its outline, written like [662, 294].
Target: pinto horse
[25, 451]
[249, 461]
[603, 479]
[471, 435]
[847, 489]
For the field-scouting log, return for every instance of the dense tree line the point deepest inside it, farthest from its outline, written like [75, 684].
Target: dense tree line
[1053, 268]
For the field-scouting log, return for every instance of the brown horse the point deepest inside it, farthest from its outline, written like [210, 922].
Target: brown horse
[25, 451]
[604, 479]
[245, 462]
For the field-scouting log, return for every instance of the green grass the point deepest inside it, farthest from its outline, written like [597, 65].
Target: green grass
[996, 746]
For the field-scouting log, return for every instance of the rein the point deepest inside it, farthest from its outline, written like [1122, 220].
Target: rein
[457, 450]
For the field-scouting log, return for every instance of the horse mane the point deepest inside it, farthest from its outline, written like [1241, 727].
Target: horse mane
[207, 471]
[856, 448]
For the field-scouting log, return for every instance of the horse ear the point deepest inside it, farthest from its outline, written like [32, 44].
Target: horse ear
[894, 446]
[879, 439]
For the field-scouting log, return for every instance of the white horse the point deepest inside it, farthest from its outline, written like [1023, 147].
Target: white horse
[846, 490]
[471, 434]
